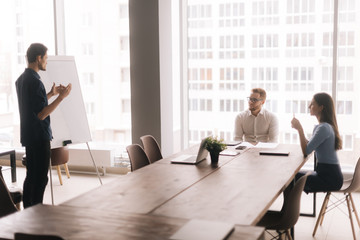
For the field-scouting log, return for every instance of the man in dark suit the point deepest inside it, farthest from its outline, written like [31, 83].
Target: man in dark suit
[35, 127]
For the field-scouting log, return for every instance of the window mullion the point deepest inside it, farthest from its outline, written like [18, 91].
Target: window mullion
[335, 49]
[59, 27]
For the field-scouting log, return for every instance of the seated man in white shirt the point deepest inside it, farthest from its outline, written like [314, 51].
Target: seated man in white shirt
[256, 124]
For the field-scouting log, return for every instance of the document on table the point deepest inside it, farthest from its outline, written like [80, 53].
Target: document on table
[259, 145]
[202, 229]
[246, 144]
[227, 152]
[266, 145]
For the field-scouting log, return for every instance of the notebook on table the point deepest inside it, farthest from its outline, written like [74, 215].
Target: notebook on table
[229, 153]
[192, 159]
[232, 143]
[275, 153]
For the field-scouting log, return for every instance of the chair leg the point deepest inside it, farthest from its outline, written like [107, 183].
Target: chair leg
[280, 235]
[18, 206]
[354, 209]
[59, 174]
[350, 216]
[325, 207]
[322, 212]
[288, 235]
[67, 170]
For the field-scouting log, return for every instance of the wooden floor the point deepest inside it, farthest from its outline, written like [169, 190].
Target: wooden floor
[77, 184]
[336, 224]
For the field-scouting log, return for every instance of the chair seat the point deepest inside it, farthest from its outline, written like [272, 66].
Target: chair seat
[271, 220]
[345, 186]
[59, 156]
[16, 196]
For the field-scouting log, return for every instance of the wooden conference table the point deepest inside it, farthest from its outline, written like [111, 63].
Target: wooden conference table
[239, 191]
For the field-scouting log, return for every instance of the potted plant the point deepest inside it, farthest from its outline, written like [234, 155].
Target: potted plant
[214, 146]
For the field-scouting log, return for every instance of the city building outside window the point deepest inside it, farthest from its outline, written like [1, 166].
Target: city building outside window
[285, 47]
[91, 30]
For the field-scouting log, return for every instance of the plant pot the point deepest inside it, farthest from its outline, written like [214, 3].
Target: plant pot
[214, 157]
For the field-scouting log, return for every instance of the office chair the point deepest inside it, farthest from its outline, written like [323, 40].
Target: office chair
[137, 156]
[151, 148]
[7, 205]
[284, 220]
[27, 236]
[349, 186]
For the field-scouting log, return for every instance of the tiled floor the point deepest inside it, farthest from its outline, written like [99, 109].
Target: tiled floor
[336, 225]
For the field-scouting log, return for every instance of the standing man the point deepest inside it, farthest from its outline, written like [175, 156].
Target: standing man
[35, 127]
[256, 124]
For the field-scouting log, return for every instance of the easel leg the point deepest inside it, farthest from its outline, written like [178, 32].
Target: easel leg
[51, 183]
[97, 171]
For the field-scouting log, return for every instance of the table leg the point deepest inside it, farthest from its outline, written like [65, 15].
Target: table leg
[13, 166]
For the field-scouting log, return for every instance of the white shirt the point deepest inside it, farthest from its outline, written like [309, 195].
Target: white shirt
[262, 128]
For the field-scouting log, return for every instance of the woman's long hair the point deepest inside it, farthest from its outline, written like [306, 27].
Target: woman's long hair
[328, 115]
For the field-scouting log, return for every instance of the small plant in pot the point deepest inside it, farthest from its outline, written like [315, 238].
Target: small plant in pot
[214, 146]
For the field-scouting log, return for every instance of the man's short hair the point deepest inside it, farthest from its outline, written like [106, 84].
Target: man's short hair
[35, 50]
[260, 91]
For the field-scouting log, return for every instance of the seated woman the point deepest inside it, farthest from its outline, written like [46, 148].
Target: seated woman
[325, 141]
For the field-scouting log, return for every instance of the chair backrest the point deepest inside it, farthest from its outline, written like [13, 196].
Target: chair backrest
[1, 175]
[355, 182]
[291, 206]
[6, 204]
[151, 148]
[26, 236]
[137, 156]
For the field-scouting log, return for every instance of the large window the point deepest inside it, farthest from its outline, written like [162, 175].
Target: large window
[285, 47]
[22, 23]
[95, 32]
[348, 78]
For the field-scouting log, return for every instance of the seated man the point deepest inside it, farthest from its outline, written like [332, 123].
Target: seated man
[256, 124]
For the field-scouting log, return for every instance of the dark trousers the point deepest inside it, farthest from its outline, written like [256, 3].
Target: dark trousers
[37, 166]
[327, 177]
